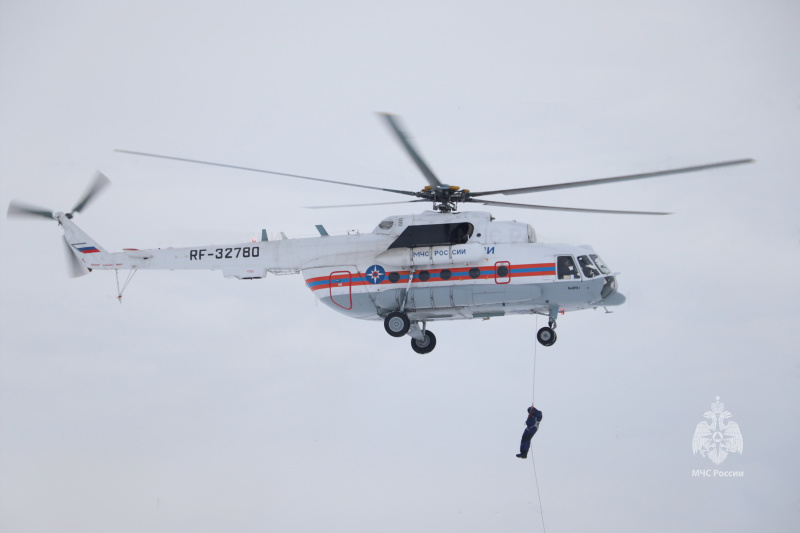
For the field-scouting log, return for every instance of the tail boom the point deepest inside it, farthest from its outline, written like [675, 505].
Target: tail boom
[249, 260]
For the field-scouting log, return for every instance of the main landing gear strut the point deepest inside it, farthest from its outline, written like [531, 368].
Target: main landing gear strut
[547, 335]
[398, 324]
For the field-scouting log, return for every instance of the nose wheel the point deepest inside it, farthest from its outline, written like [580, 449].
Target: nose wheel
[546, 336]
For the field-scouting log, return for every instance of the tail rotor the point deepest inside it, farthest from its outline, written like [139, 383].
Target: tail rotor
[22, 210]
[19, 209]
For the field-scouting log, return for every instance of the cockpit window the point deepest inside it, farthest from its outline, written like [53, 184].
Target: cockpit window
[600, 264]
[587, 267]
[565, 267]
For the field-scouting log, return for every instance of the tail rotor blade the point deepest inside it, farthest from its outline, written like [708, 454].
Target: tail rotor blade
[17, 209]
[100, 182]
[76, 269]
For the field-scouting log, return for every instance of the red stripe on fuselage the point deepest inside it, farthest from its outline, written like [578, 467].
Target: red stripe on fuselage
[457, 273]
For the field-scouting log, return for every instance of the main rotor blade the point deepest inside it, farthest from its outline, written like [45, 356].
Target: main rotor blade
[394, 124]
[363, 205]
[601, 181]
[100, 182]
[410, 193]
[16, 209]
[570, 209]
[76, 269]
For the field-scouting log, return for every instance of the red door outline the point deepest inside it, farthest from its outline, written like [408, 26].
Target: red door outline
[341, 279]
[502, 280]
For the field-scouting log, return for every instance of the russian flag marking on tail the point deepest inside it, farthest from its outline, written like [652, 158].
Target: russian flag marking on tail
[86, 249]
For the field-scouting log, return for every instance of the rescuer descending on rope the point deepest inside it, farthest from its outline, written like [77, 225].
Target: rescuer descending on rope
[532, 423]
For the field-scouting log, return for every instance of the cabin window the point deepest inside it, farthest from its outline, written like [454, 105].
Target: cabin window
[394, 277]
[587, 267]
[600, 264]
[434, 235]
[502, 269]
[565, 267]
[424, 275]
[445, 274]
[474, 273]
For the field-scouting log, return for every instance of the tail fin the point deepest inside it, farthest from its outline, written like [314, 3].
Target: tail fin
[86, 250]
[80, 242]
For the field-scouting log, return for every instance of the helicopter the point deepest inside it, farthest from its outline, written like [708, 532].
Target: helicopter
[441, 264]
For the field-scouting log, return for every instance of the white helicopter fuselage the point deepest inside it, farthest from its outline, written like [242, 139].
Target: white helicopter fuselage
[438, 265]
[431, 266]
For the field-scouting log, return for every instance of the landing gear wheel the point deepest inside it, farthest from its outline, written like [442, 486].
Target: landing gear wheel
[425, 346]
[397, 324]
[546, 336]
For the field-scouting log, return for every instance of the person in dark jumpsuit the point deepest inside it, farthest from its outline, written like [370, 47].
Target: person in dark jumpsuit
[532, 425]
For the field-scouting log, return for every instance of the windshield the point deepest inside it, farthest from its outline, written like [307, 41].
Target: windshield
[600, 264]
[587, 267]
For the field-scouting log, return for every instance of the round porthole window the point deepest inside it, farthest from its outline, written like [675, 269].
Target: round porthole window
[424, 275]
[394, 277]
[502, 271]
[445, 274]
[474, 273]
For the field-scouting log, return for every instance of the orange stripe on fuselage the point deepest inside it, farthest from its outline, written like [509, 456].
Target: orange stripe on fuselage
[487, 272]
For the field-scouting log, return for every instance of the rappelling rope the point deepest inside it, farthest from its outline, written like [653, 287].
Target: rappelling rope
[538, 494]
[533, 390]
[535, 348]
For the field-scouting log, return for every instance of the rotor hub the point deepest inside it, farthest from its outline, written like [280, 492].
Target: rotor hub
[444, 197]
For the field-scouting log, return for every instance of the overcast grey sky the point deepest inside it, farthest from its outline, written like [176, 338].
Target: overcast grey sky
[205, 404]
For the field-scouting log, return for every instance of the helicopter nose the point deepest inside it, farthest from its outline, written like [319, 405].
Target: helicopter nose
[609, 287]
[615, 298]
[609, 292]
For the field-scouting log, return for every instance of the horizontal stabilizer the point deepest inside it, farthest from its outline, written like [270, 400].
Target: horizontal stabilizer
[244, 273]
[139, 254]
